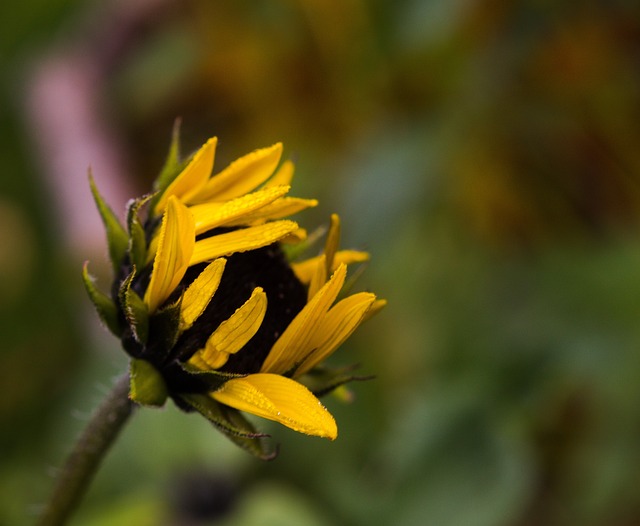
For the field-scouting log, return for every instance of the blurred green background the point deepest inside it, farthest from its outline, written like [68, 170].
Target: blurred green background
[487, 153]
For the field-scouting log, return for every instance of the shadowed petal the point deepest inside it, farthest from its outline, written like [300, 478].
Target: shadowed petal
[294, 237]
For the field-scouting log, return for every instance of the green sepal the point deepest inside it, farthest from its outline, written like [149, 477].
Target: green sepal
[322, 380]
[105, 306]
[213, 379]
[164, 325]
[172, 165]
[117, 237]
[135, 309]
[146, 384]
[232, 424]
[138, 241]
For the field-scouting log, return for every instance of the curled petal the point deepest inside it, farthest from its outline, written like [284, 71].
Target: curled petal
[280, 399]
[176, 242]
[232, 334]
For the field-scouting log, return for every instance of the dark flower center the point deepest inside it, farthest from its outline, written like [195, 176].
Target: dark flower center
[265, 267]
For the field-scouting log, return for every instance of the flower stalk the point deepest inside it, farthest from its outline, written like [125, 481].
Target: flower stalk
[74, 477]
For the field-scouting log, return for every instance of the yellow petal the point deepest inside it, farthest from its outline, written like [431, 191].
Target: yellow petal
[294, 237]
[305, 269]
[319, 277]
[192, 179]
[280, 399]
[211, 215]
[284, 175]
[293, 345]
[241, 240]
[208, 359]
[283, 207]
[242, 176]
[333, 241]
[199, 294]
[175, 246]
[339, 323]
[377, 306]
[233, 333]
[152, 249]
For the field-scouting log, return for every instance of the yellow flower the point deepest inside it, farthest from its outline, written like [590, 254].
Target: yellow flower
[209, 306]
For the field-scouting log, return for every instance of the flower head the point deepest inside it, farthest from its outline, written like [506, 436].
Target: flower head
[210, 305]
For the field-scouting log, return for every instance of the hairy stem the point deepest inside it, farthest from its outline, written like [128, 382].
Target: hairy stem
[74, 477]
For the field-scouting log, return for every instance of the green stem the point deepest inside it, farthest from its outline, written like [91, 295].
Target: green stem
[81, 465]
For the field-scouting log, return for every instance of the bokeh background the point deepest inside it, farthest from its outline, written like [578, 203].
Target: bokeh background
[486, 152]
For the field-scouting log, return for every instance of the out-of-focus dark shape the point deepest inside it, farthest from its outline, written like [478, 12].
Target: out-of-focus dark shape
[201, 497]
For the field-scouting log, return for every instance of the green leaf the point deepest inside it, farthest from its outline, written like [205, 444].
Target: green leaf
[117, 237]
[172, 166]
[231, 422]
[105, 306]
[147, 386]
[135, 310]
[138, 240]
[164, 325]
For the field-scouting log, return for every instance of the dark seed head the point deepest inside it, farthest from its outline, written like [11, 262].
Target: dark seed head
[267, 268]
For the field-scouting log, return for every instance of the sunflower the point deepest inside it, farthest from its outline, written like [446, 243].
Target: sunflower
[211, 304]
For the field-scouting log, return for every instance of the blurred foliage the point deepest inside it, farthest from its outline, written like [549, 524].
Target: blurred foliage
[485, 152]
